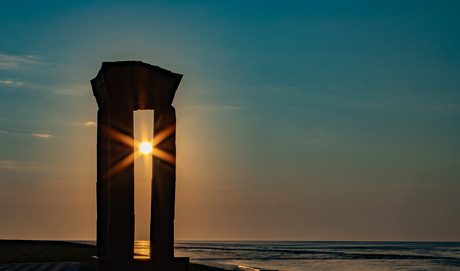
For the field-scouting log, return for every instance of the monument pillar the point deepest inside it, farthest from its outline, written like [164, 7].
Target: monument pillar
[121, 88]
[162, 210]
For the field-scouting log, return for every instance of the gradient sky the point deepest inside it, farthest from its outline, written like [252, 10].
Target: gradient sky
[297, 120]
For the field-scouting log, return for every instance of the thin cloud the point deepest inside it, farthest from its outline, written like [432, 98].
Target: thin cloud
[7, 164]
[41, 135]
[445, 107]
[77, 91]
[68, 92]
[27, 166]
[224, 107]
[227, 187]
[210, 109]
[10, 83]
[27, 133]
[91, 123]
[8, 62]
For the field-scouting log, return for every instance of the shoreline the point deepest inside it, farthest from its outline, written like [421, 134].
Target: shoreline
[38, 251]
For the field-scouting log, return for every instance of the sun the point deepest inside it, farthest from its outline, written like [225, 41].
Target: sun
[146, 147]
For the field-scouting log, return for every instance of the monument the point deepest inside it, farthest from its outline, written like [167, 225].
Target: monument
[121, 88]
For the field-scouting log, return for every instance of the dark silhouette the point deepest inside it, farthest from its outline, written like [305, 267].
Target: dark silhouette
[120, 88]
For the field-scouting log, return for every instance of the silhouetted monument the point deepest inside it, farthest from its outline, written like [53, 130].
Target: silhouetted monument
[121, 88]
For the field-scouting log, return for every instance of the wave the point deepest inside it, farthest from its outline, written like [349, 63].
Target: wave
[337, 255]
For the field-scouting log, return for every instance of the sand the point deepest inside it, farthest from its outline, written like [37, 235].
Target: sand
[24, 251]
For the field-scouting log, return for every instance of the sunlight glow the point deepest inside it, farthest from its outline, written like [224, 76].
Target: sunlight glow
[146, 147]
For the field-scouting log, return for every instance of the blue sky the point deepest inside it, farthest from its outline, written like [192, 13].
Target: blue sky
[298, 120]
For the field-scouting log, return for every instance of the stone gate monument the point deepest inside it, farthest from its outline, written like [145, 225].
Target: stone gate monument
[121, 88]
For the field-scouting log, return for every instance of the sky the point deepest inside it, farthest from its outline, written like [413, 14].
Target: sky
[296, 120]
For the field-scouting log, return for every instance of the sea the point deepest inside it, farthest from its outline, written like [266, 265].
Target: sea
[305, 255]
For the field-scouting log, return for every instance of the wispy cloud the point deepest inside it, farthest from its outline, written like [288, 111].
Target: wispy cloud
[27, 133]
[445, 107]
[8, 62]
[23, 166]
[7, 164]
[11, 83]
[67, 92]
[41, 135]
[91, 123]
[210, 109]
[227, 187]
[225, 107]
[77, 91]
[322, 133]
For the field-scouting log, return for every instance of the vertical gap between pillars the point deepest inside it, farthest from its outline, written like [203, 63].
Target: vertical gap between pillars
[143, 132]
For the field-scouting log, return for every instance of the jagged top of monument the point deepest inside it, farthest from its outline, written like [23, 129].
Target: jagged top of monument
[133, 63]
[147, 86]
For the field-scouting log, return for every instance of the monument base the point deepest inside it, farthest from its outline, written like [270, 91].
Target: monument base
[140, 264]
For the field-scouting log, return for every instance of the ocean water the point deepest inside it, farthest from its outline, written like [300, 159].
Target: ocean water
[297, 256]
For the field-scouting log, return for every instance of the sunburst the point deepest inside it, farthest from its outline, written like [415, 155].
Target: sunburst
[143, 149]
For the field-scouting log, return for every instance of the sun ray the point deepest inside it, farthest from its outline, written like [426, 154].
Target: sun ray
[119, 136]
[164, 155]
[123, 164]
[163, 134]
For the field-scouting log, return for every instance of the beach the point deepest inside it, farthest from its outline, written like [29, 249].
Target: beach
[27, 251]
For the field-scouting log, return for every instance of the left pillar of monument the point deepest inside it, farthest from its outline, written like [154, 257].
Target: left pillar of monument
[115, 158]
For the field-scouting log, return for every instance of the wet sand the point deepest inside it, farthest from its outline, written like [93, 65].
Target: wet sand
[25, 251]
